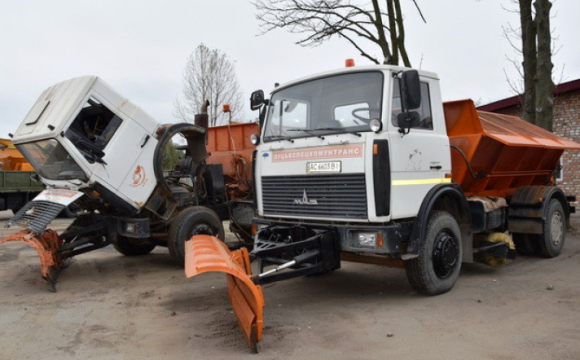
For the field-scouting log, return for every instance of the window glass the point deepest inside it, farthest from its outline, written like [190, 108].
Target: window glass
[424, 110]
[353, 114]
[94, 124]
[288, 115]
[51, 160]
[330, 105]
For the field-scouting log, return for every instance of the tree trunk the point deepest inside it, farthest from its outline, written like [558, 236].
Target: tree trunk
[393, 31]
[401, 35]
[544, 84]
[383, 43]
[529, 63]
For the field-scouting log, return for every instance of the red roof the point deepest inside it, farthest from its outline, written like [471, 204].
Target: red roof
[518, 99]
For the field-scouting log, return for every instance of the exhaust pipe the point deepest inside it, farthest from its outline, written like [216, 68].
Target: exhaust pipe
[201, 119]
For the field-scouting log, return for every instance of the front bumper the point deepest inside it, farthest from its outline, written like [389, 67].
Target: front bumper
[389, 239]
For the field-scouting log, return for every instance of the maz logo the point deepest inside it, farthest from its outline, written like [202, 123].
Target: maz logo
[305, 200]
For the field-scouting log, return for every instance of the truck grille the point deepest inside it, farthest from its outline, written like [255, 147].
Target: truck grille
[36, 215]
[321, 196]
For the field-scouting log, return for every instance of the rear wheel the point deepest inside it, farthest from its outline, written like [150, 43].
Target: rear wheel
[133, 247]
[196, 220]
[551, 242]
[437, 267]
[525, 244]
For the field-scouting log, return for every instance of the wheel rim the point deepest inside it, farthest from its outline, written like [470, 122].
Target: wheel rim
[556, 228]
[445, 255]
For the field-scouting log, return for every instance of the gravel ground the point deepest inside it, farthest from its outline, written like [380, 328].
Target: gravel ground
[114, 307]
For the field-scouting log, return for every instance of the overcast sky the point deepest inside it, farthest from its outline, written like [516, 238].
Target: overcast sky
[140, 48]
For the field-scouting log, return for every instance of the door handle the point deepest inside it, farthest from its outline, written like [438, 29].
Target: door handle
[145, 141]
[436, 167]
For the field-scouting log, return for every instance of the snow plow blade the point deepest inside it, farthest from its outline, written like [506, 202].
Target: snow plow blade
[46, 246]
[204, 253]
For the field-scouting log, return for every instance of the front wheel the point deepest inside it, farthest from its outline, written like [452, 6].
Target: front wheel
[437, 267]
[195, 220]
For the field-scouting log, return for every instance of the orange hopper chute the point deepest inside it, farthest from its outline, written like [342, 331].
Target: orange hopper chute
[204, 253]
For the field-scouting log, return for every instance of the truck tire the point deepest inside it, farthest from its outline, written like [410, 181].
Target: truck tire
[191, 221]
[437, 267]
[525, 244]
[550, 243]
[133, 247]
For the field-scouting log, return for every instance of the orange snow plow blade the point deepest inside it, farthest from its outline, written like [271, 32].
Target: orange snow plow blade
[204, 253]
[46, 246]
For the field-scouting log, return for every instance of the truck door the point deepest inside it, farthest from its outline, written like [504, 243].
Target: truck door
[114, 147]
[417, 161]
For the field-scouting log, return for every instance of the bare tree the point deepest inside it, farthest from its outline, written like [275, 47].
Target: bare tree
[536, 68]
[209, 75]
[320, 20]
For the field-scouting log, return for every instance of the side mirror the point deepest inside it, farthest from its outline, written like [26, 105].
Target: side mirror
[411, 89]
[407, 120]
[257, 99]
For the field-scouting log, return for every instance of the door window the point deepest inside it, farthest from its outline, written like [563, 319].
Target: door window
[424, 110]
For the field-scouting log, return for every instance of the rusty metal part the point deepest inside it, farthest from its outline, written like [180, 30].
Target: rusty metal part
[46, 246]
[204, 253]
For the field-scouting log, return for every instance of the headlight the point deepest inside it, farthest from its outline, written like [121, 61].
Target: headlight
[367, 240]
[255, 139]
[375, 125]
[131, 228]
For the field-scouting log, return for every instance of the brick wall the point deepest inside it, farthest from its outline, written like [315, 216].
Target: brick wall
[566, 123]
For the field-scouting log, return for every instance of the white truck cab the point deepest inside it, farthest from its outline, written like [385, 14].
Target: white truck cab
[318, 130]
[81, 132]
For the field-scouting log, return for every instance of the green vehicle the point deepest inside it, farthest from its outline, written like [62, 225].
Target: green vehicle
[17, 188]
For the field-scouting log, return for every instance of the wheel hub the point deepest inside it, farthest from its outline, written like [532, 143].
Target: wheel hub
[445, 255]
[556, 228]
[202, 229]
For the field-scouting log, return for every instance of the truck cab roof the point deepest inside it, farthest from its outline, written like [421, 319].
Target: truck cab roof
[58, 105]
[346, 70]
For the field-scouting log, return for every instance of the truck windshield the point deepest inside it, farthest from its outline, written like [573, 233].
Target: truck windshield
[51, 160]
[334, 104]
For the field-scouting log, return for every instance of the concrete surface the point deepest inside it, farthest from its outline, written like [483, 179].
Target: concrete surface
[6, 214]
[114, 307]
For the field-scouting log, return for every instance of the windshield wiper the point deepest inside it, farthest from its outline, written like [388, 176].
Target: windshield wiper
[343, 130]
[278, 137]
[306, 131]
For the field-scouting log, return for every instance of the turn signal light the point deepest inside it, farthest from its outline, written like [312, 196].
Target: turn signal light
[349, 63]
[380, 240]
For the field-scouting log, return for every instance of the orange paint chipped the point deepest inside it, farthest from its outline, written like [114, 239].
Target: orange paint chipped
[46, 246]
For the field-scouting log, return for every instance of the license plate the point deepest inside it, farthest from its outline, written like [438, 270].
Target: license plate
[323, 167]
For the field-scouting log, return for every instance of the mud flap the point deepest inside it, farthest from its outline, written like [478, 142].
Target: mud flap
[46, 246]
[204, 253]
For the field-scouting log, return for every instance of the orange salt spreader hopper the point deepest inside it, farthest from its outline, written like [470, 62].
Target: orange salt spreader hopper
[204, 253]
[495, 154]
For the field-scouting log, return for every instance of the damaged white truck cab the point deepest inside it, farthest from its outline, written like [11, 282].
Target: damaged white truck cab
[69, 137]
[92, 147]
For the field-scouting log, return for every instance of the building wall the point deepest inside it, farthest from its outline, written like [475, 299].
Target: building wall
[566, 123]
